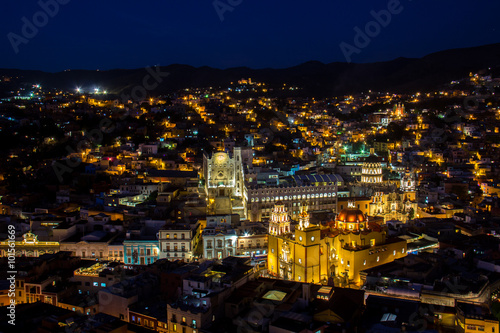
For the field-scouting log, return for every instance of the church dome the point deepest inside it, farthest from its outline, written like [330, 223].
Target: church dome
[351, 215]
[352, 219]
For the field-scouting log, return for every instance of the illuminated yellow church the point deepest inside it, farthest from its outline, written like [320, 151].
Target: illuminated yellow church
[337, 250]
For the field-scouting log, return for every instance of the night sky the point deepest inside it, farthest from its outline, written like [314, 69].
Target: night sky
[109, 34]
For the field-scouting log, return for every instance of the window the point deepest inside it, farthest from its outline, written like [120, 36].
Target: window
[378, 259]
[133, 318]
[364, 262]
[312, 239]
[183, 319]
[402, 250]
[394, 252]
[96, 284]
[300, 260]
[103, 284]
[300, 278]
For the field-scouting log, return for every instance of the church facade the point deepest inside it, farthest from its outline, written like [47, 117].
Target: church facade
[224, 183]
[334, 251]
[394, 206]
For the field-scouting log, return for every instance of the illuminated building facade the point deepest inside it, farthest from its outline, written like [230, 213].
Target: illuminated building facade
[178, 241]
[394, 206]
[219, 238]
[320, 191]
[29, 246]
[371, 171]
[140, 251]
[408, 182]
[279, 223]
[399, 110]
[224, 183]
[339, 249]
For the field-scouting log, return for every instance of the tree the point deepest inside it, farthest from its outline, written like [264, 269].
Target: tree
[152, 196]
[411, 214]
[395, 131]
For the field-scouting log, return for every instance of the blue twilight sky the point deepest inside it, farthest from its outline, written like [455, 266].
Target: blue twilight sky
[107, 34]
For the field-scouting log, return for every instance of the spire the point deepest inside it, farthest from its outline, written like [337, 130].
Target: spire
[304, 217]
[279, 222]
